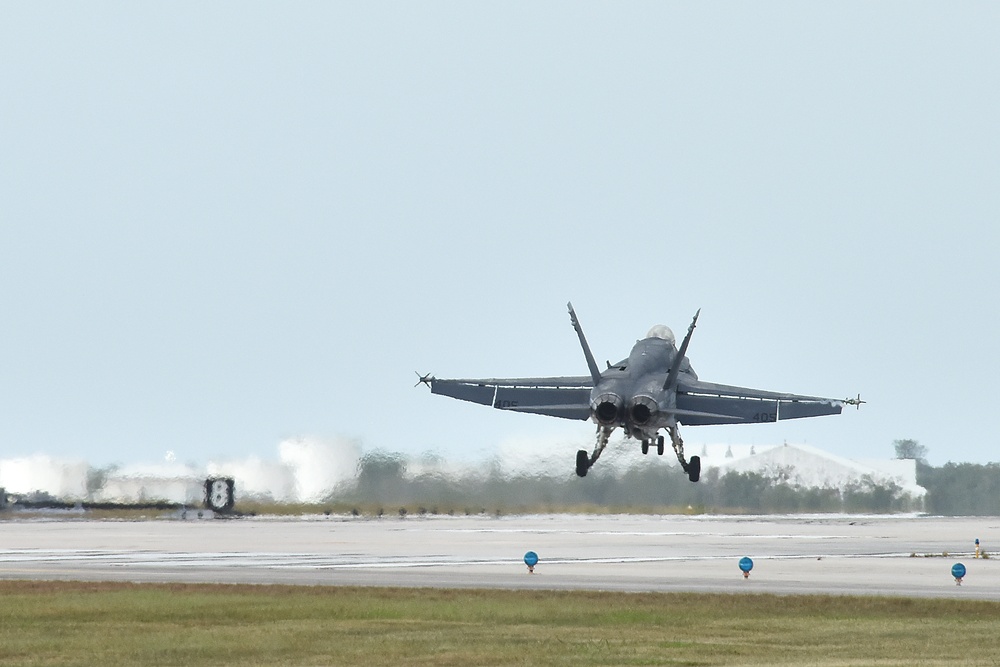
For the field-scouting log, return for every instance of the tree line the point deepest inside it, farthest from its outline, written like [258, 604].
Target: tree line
[383, 482]
[954, 489]
[961, 489]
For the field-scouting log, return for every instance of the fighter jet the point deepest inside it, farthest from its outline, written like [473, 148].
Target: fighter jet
[654, 389]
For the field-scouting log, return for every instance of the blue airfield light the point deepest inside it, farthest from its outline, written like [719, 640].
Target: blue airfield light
[958, 571]
[746, 564]
[531, 560]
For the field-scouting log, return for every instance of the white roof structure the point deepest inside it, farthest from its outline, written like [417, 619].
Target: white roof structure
[806, 466]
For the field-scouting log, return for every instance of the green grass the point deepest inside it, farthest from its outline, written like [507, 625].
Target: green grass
[43, 623]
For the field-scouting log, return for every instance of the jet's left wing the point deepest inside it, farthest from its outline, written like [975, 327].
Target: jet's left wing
[566, 397]
[727, 404]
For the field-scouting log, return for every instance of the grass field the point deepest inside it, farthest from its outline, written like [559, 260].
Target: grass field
[43, 623]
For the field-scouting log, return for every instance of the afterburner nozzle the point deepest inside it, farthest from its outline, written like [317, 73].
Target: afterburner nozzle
[607, 409]
[641, 409]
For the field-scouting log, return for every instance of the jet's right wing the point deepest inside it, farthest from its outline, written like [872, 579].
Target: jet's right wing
[566, 397]
[728, 404]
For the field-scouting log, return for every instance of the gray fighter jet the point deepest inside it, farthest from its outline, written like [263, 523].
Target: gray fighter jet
[654, 389]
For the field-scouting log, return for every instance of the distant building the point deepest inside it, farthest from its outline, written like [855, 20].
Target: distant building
[161, 482]
[809, 467]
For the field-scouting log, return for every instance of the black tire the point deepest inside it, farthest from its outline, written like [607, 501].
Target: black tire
[582, 463]
[659, 446]
[645, 447]
[694, 468]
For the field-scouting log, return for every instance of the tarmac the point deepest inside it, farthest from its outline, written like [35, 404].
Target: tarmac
[814, 554]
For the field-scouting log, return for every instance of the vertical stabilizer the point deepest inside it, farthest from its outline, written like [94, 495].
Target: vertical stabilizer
[675, 369]
[595, 372]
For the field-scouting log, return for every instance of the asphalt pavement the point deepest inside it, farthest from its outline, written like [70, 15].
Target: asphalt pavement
[834, 554]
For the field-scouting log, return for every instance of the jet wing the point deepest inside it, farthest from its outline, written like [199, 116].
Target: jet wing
[566, 397]
[727, 404]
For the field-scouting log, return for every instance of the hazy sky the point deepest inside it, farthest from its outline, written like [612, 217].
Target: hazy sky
[226, 224]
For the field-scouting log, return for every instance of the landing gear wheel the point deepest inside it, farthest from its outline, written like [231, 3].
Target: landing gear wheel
[659, 445]
[645, 447]
[582, 463]
[694, 468]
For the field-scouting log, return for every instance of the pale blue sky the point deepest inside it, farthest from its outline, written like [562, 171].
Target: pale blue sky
[226, 224]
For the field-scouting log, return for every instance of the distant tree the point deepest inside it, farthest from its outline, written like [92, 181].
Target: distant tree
[97, 478]
[381, 477]
[961, 488]
[910, 449]
[867, 495]
[742, 490]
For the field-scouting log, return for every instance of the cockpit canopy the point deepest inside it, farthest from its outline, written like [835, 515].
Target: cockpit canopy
[662, 332]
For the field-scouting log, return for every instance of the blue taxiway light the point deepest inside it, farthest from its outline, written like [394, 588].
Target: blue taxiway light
[746, 564]
[531, 559]
[958, 570]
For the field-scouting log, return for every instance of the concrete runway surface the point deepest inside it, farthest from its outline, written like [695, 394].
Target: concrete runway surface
[838, 554]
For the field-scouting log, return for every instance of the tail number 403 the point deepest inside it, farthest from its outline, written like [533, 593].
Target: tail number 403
[765, 417]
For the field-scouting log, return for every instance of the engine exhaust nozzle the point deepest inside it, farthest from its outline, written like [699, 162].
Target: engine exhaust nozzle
[607, 409]
[641, 409]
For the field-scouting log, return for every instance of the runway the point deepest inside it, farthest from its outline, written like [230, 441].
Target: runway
[866, 555]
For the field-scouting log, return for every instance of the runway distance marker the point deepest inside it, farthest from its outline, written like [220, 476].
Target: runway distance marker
[531, 560]
[958, 571]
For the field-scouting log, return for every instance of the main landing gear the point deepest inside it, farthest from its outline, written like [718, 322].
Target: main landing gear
[583, 460]
[692, 467]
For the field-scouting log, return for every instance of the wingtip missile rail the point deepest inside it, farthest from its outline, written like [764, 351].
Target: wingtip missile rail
[856, 402]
